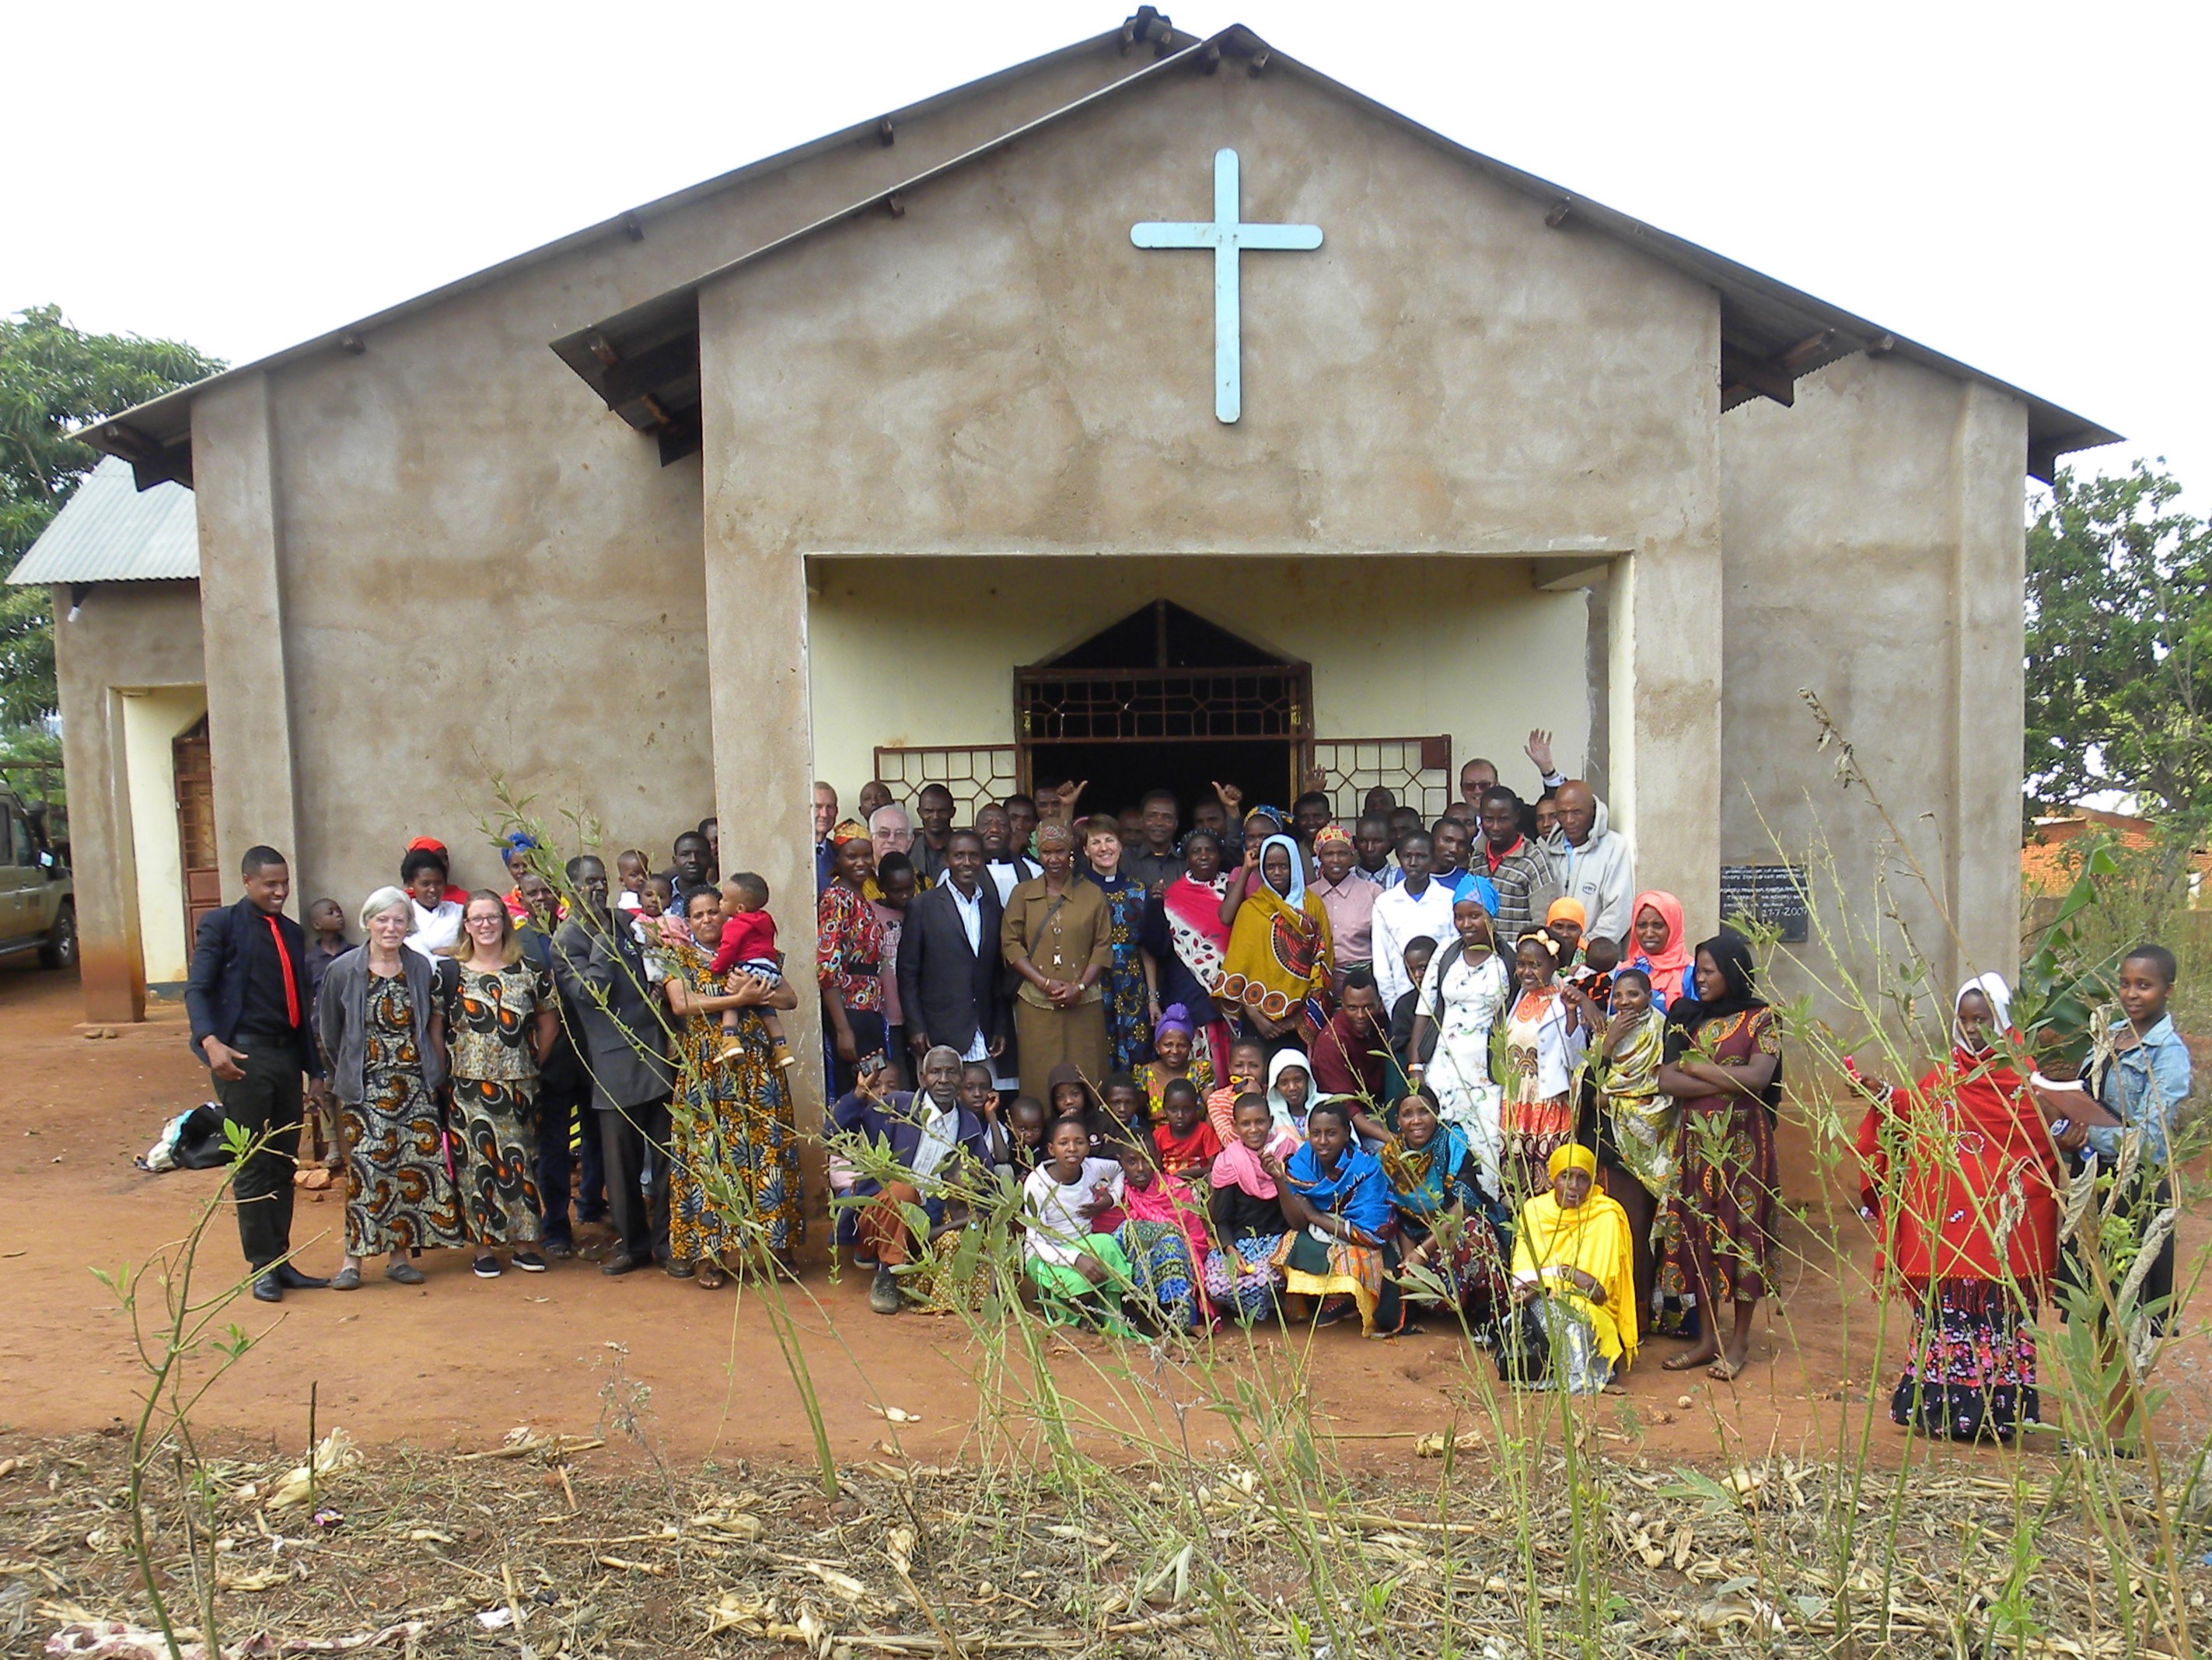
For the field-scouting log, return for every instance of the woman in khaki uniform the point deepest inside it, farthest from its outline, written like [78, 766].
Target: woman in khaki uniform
[1058, 936]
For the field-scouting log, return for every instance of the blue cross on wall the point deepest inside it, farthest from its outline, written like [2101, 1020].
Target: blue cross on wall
[1228, 236]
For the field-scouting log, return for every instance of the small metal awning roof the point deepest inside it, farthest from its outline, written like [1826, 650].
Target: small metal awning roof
[111, 531]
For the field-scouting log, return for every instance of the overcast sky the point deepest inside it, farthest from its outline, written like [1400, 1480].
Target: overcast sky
[2023, 186]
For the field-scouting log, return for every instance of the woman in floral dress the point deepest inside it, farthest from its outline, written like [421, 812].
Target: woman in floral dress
[379, 1017]
[501, 1017]
[734, 1136]
[1132, 1005]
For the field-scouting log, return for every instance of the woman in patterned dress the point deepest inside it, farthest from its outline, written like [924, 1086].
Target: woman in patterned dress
[1544, 1043]
[735, 1137]
[381, 1025]
[500, 1020]
[1190, 941]
[849, 956]
[1133, 1003]
[1723, 1068]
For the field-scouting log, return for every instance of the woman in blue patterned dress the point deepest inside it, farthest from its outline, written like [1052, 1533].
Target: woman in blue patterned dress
[1132, 998]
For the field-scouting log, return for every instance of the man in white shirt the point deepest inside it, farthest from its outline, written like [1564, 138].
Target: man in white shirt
[1417, 905]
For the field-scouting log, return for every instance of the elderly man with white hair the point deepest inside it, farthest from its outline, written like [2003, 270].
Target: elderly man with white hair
[891, 830]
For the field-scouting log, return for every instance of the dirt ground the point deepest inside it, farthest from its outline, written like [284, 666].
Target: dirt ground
[458, 1362]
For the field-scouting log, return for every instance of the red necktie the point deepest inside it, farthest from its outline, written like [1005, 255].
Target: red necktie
[291, 986]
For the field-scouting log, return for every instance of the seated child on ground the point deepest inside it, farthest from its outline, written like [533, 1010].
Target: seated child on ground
[1129, 1114]
[1164, 1240]
[748, 947]
[1187, 1140]
[1078, 1267]
[1018, 1146]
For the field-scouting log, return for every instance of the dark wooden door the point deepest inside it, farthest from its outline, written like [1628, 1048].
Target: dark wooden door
[195, 777]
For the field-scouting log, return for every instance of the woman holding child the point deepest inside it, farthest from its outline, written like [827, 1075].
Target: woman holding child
[734, 1137]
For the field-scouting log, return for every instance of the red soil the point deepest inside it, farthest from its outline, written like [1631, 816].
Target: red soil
[458, 1362]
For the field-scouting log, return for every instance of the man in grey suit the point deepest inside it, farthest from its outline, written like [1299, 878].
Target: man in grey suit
[949, 968]
[624, 1047]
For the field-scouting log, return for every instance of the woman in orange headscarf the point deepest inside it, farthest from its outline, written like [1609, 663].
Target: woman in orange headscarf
[1662, 947]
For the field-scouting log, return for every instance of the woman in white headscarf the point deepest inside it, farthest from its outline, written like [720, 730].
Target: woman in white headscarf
[1960, 1178]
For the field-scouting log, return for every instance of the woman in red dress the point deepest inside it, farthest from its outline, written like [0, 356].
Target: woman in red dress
[1960, 1178]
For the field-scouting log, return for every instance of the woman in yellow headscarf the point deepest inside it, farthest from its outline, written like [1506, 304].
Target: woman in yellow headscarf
[1280, 966]
[1573, 1250]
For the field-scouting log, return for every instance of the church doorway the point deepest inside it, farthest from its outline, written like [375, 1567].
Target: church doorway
[1164, 699]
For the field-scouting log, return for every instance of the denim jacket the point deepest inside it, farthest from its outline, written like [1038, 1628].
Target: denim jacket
[2144, 1087]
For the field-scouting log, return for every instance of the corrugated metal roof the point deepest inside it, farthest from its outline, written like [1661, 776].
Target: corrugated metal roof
[111, 531]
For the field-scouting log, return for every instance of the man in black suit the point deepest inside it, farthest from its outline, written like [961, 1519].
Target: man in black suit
[950, 970]
[246, 995]
[624, 1047]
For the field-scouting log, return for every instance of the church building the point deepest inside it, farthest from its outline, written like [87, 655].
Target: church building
[1159, 411]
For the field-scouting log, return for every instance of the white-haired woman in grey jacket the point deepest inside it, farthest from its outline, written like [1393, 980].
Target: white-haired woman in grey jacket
[378, 1012]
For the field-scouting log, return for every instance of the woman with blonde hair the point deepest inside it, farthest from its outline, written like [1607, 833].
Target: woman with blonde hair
[502, 1020]
[381, 1026]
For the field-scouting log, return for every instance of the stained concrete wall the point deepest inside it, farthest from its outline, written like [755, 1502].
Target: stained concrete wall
[440, 563]
[1875, 555]
[919, 651]
[1000, 371]
[126, 635]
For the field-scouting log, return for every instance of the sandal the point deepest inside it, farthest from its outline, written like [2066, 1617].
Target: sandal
[404, 1273]
[711, 1277]
[346, 1279]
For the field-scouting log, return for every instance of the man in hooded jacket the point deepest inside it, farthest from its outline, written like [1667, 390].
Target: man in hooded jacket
[1584, 858]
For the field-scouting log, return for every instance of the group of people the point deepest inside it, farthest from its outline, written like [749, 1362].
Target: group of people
[1238, 1062]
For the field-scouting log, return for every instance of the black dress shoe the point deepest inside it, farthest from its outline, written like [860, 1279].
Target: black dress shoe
[292, 1279]
[620, 1262]
[268, 1288]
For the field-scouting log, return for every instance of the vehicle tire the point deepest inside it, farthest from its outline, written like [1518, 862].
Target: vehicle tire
[59, 950]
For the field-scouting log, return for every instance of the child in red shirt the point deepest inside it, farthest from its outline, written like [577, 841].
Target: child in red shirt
[748, 947]
[1187, 1142]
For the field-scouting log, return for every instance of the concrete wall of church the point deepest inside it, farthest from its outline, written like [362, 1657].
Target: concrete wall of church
[1875, 550]
[127, 635]
[998, 371]
[920, 651]
[440, 560]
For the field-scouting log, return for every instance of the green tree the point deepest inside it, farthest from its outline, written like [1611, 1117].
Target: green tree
[2119, 644]
[54, 377]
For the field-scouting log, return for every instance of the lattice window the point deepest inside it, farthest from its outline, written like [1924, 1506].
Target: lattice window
[1416, 770]
[975, 775]
[1078, 705]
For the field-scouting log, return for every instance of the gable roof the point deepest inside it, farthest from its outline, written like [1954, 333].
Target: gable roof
[643, 360]
[110, 531]
[155, 436]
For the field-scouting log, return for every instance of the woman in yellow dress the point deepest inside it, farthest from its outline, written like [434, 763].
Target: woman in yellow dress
[1572, 1255]
[1280, 970]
